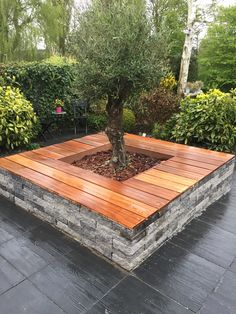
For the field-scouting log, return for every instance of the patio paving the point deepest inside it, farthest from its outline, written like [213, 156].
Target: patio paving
[42, 271]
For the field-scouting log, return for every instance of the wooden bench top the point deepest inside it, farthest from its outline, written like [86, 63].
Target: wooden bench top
[130, 202]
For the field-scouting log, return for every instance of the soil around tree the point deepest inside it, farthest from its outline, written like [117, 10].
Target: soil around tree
[99, 163]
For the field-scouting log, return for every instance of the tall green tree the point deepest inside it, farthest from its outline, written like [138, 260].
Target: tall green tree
[17, 29]
[217, 56]
[55, 21]
[118, 54]
[170, 18]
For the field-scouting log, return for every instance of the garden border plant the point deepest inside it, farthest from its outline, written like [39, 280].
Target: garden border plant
[207, 120]
[17, 119]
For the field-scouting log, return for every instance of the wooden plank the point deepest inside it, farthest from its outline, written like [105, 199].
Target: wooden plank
[74, 146]
[89, 142]
[181, 167]
[135, 206]
[98, 138]
[187, 174]
[191, 162]
[171, 177]
[151, 189]
[185, 153]
[182, 147]
[113, 185]
[170, 185]
[58, 150]
[48, 153]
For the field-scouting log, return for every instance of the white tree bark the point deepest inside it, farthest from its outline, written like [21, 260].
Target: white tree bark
[188, 45]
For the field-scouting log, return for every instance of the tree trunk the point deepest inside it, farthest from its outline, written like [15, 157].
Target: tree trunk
[187, 49]
[115, 132]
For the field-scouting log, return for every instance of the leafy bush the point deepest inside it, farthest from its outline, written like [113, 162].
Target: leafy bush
[128, 120]
[17, 118]
[97, 122]
[155, 106]
[164, 131]
[168, 82]
[43, 82]
[208, 120]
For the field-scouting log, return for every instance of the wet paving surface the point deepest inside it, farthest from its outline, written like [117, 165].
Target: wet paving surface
[44, 272]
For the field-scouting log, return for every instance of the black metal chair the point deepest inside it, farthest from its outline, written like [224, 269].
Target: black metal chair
[80, 108]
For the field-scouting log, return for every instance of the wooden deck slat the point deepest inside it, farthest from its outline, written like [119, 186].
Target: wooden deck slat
[98, 138]
[180, 152]
[190, 149]
[172, 153]
[151, 189]
[113, 185]
[47, 153]
[74, 146]
[85, 186]
[59, 150]
[187, 174]
[171, 177]
[181, 167]
[162, 182]
[195, 163]
[115, 213]
[89, 142]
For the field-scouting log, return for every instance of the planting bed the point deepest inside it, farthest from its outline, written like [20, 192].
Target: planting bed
[125, 221]
[99, 163]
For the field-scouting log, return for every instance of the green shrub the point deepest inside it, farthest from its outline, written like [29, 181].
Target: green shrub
[156, 106]
[208, 120]
[128, 120]
[17, 118]
[164, 131]
[97, 122]
[42, 82]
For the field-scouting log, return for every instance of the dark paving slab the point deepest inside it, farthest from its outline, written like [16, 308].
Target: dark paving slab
[51, 240]
[5, 232]
[76, 290]
[132, 296]
[181, 275]
[208, 241]
[22, 219]
[233, 266]
[220, 215]
[42, 271]
[223, 299]
[9, 276]
[8, 229]
[26, 257]
[107, 274]
[26, 299]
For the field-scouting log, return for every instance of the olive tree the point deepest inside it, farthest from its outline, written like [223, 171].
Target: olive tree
[118, 54]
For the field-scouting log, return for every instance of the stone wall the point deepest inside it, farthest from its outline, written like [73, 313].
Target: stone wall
[126, 247]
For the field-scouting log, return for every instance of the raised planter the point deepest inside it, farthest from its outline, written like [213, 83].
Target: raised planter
[124, 221]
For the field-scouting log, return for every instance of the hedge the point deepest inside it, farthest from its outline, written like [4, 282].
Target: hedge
[42, 82]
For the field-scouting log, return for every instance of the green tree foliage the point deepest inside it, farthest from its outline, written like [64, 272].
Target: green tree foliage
[118, 54]
[217, 56]
[54, 19]
[170, 18]
[17, 30]
[26, 23]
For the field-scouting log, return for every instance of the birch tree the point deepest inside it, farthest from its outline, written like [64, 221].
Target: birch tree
[188, 46]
